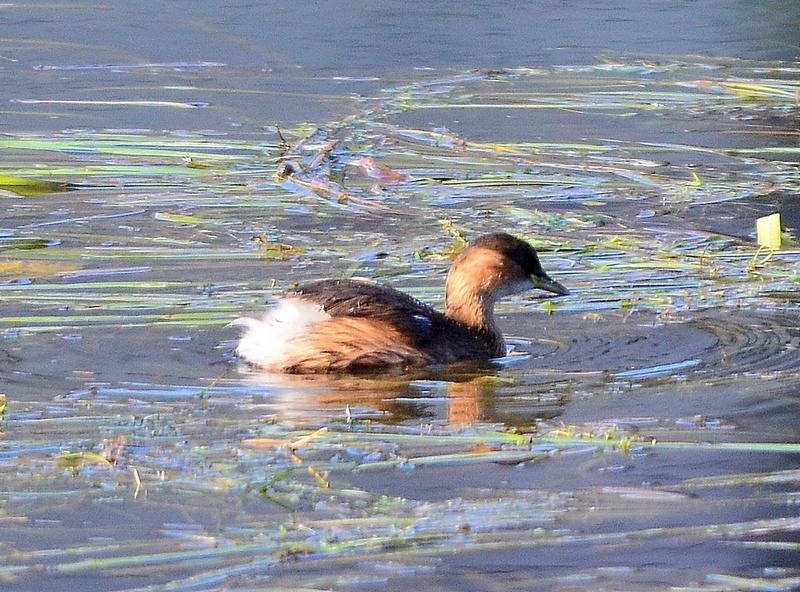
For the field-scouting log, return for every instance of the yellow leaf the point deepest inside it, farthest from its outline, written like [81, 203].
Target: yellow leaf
[23, 186]
[306, 439]
[768, 231]
[29, 269]
[76, 460]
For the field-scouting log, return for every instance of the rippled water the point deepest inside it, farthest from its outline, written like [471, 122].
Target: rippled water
[641, 434]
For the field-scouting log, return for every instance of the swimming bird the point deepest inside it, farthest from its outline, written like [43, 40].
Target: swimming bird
[350, 325]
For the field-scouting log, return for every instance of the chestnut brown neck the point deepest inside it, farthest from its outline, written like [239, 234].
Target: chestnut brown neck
[469, 300]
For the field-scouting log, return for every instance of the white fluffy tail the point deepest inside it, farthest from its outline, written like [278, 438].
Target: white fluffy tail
[266, 340]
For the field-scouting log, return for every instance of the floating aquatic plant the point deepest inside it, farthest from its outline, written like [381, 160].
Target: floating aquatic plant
[157, 232]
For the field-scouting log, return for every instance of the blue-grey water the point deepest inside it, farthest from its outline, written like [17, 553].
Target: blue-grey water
[309, 47]
[112, 315]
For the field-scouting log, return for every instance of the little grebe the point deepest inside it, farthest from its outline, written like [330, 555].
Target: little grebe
[352, 325]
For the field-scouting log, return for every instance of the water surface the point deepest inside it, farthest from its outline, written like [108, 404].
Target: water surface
[640, 435]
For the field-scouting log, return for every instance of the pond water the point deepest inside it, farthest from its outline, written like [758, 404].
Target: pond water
[642, 432]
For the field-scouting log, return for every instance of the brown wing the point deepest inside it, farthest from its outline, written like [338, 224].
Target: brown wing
[376, 326]
[418, 322]
[350, 343]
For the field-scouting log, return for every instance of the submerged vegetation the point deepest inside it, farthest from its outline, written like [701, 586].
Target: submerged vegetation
[123, 254]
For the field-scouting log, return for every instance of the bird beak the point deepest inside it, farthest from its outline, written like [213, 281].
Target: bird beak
[544, 282]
